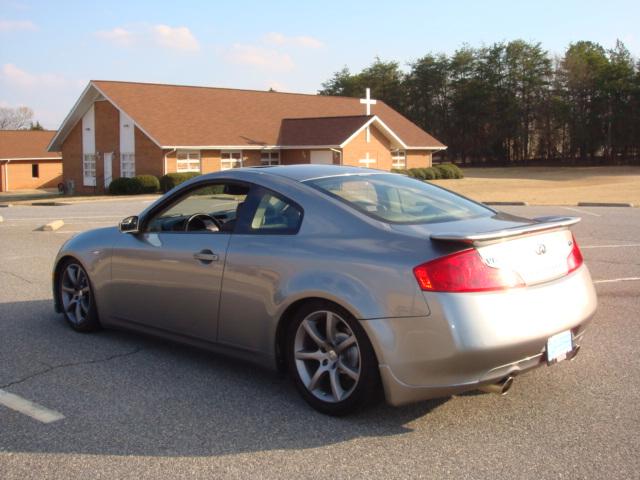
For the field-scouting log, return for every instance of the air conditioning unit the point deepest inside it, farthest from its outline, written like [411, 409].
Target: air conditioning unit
[71, 187]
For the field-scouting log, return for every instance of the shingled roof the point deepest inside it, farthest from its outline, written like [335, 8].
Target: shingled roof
[182, 116]
[27, 145]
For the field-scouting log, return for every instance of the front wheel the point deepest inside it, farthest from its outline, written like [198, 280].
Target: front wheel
[331, 359]
[76, 298]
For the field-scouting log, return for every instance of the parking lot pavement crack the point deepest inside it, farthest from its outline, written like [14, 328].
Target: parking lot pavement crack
[19, 277]
[70, 364]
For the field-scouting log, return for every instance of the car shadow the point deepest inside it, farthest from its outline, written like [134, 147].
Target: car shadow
[128, 394]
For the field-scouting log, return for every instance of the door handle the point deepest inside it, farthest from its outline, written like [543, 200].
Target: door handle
[206, 256]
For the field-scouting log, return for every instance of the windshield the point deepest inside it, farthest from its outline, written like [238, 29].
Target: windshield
[395, 198]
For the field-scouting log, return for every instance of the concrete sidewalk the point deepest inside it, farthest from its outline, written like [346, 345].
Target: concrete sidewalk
[44, 198]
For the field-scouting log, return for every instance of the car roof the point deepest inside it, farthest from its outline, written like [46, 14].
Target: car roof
[308, 171]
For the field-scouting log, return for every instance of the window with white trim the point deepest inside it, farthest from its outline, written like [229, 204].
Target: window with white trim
[270, 157]
[230, 159]
[399, 159]
[89, 169]
[188, 161]
[127, 165]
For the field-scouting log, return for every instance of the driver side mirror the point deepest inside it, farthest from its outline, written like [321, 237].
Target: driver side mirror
[129, 225]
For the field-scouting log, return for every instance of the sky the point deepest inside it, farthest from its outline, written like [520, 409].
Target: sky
[49, 50]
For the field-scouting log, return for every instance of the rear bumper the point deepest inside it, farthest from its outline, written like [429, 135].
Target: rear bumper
[474, 339]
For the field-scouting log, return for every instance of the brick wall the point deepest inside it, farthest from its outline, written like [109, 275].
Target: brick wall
[418, 158]
[210, 161]
[72, 158]
[107, 139]
[149, 156]
[291, 157]
[19, 174]
[378, 149]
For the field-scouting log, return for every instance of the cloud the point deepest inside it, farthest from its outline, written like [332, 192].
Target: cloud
[165, 36]
[176, 38]
[261, 57]
[15, 76]
[118, 36]
[280, 39]
[17, 25]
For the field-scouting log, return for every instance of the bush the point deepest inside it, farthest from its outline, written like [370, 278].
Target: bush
[400, 171]
[125, 186]
[170, 180]
[430, 173]
[416, 173]
[449, 170]
[150, 183]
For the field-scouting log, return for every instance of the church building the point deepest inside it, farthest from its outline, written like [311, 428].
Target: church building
[123, 129]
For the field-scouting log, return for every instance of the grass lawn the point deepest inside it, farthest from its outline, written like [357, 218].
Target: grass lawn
[549, 185]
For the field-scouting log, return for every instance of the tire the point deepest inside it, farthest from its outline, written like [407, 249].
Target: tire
[331, 360]
[76, 297]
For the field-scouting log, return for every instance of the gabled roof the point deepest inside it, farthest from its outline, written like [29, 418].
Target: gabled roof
[331, 131]
[27, 145]
[185, 116]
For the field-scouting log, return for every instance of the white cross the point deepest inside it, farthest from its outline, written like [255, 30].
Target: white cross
[368, 102]
[367, 161]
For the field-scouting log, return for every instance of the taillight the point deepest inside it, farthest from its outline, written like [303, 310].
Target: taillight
[574, 260]
[464, 271]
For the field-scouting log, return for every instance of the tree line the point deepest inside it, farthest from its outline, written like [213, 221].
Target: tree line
[514, 103]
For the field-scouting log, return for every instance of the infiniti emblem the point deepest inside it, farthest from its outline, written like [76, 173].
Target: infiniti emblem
[541, 249]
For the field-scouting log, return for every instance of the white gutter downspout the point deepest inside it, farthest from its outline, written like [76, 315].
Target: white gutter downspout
[6, 175]
[339, 152]
[164, 165]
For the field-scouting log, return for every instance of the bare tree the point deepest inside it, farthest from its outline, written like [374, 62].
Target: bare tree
[19, 118]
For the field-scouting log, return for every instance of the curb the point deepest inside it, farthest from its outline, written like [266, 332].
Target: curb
[604, 204]
[519, 204]
[6, 205]
[52, 226]
[52, 204]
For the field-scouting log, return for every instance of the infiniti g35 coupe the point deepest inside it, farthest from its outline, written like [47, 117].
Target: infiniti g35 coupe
[359, 283]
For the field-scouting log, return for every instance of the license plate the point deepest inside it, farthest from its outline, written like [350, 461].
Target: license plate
[558, 346]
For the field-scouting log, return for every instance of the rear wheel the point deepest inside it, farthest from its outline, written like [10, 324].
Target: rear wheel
[331, 359]
[76, 298]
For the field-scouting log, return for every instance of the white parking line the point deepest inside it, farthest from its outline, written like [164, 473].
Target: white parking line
[582, 211]
[615, 280]
[29, 408]
[625, 245]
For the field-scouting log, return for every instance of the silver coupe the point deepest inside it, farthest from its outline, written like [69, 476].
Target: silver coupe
[359, 283]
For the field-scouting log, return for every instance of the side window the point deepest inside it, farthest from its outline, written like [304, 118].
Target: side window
[207, 209]
[275, 215]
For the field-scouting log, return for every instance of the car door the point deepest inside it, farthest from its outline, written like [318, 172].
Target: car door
[258, 264]
[168, 276]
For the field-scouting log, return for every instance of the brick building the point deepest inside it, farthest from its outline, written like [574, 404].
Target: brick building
[125, 129]
[26, 163]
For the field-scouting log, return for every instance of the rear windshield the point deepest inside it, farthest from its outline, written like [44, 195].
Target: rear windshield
[396, 198]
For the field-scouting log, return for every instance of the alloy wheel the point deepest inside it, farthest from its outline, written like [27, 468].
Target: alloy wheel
[327, 356]
[76, 293]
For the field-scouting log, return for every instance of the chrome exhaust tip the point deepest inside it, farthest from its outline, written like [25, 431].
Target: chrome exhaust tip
[501, 388]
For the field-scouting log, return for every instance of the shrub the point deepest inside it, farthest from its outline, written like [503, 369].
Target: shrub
[150, 183]
[170, 180]
[416, 173]
[125, 186]
[449, 170]
[429, 173]
[401, 171]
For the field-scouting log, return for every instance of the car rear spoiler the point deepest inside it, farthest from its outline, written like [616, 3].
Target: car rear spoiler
[542, 224]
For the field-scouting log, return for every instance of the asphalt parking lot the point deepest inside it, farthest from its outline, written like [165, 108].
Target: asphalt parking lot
[136, 407]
